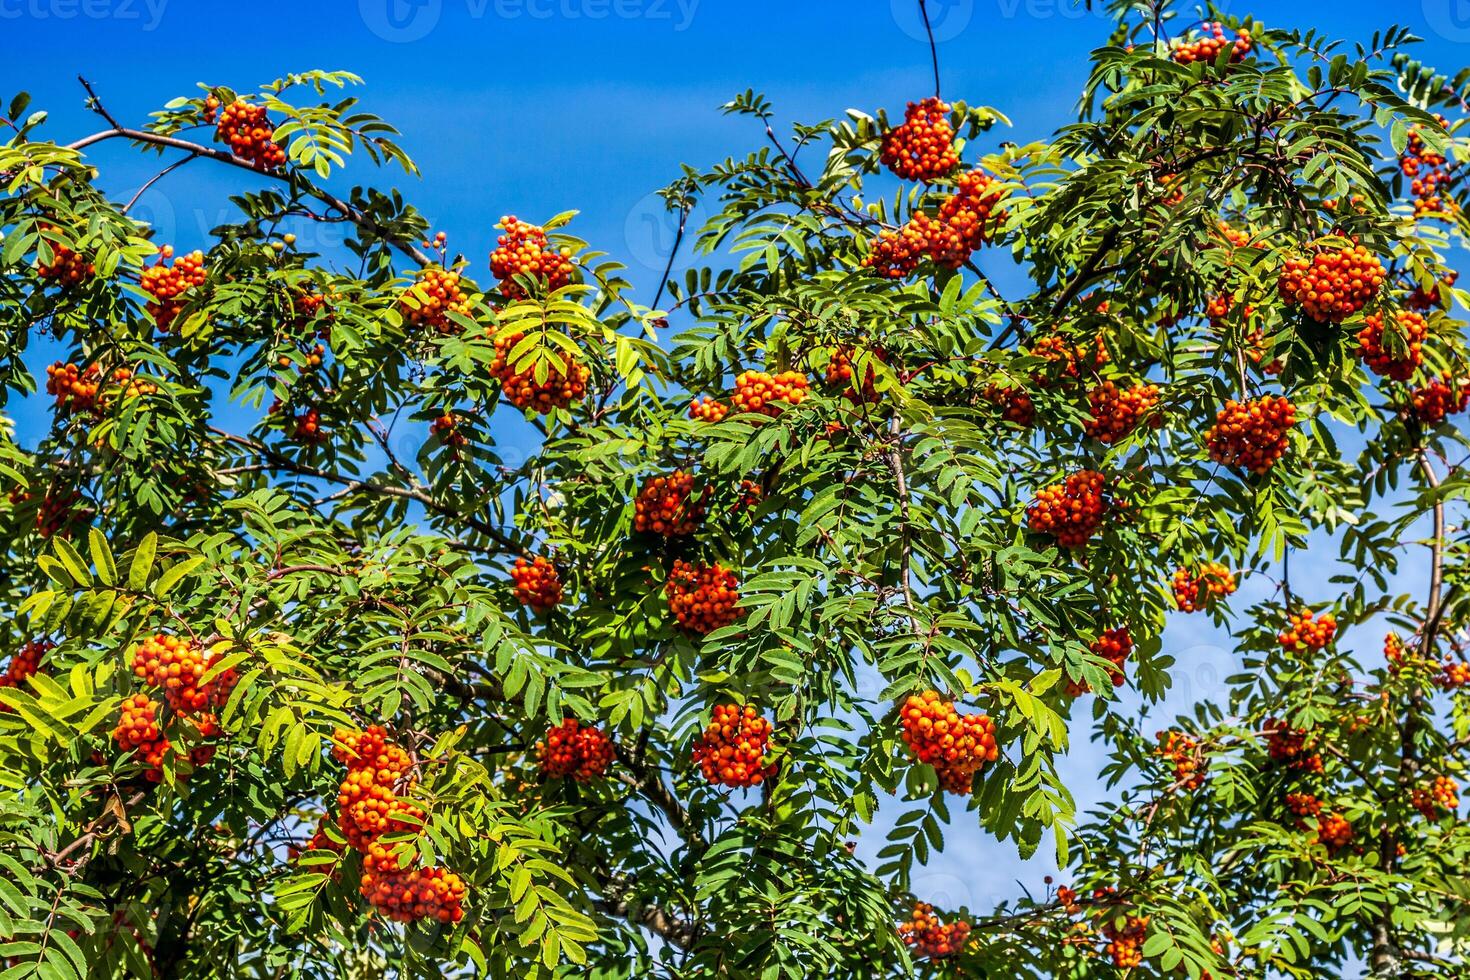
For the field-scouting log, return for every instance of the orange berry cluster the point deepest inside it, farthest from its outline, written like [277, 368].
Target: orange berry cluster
[1067, 359]
[81, 389]
[1251, 435]
[732, 749]
[1114, 646]
[446, 429]
[748, 495]
[1114, 413]
[305, 428]
[1303, 806]
[956, 745]
[969, 218]
[524, 251]
[1197, 591]
[1184, 752]
[55, 512]
[370, 807]
[707, 410]
[537, 583]
[576, 750]
[67, 267]
[702, 597]
[1453, 674]
[1125, 935]
[1355, 202]
[1173, 186]
[319, 840]
[1428, 172]
[428, 303]
[930, 938]
[923, 147]
[415, 894]
[178, 666]
[306, 307]
[1399, 362]
[667, 505]
[764, 394]
[1306, 633]
[522, 389]
[1440, 398]
[1255, 349]
[1332, 285]
[1442, 795]
[309, 428]
[966, 220]
[24, 663]
[1291, 746]
[166, 283]
[1210, 43]
[1220, 308]
[75, 388]
[839, 372]
[138, 730]
[1334, 831]
[1070, 511]
[248, 131]
[1393, 651]
[1234, 237]
[1015, 405]
[1424, 300]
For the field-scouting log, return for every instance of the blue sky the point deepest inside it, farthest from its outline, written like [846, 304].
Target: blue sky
[532, 107]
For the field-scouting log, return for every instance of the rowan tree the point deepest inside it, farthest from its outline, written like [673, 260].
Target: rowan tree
[841, 521]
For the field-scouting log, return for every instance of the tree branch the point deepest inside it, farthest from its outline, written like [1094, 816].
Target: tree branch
[117, 131]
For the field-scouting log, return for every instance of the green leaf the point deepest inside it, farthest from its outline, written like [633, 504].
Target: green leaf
[102, 557]
[142, 564]
[72, 562]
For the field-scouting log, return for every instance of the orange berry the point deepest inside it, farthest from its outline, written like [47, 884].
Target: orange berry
[957, 746]
[1070, 511]
[428, 303]
[247, 129]
[702, 597]
[572, 749]
[521, 388]
[536, 583]
[929, 938]
[523, 251]
[1251, 435]
[731, 751]
[922, 148]
[667, 505]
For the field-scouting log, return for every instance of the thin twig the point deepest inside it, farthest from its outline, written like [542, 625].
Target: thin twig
[933, 48]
